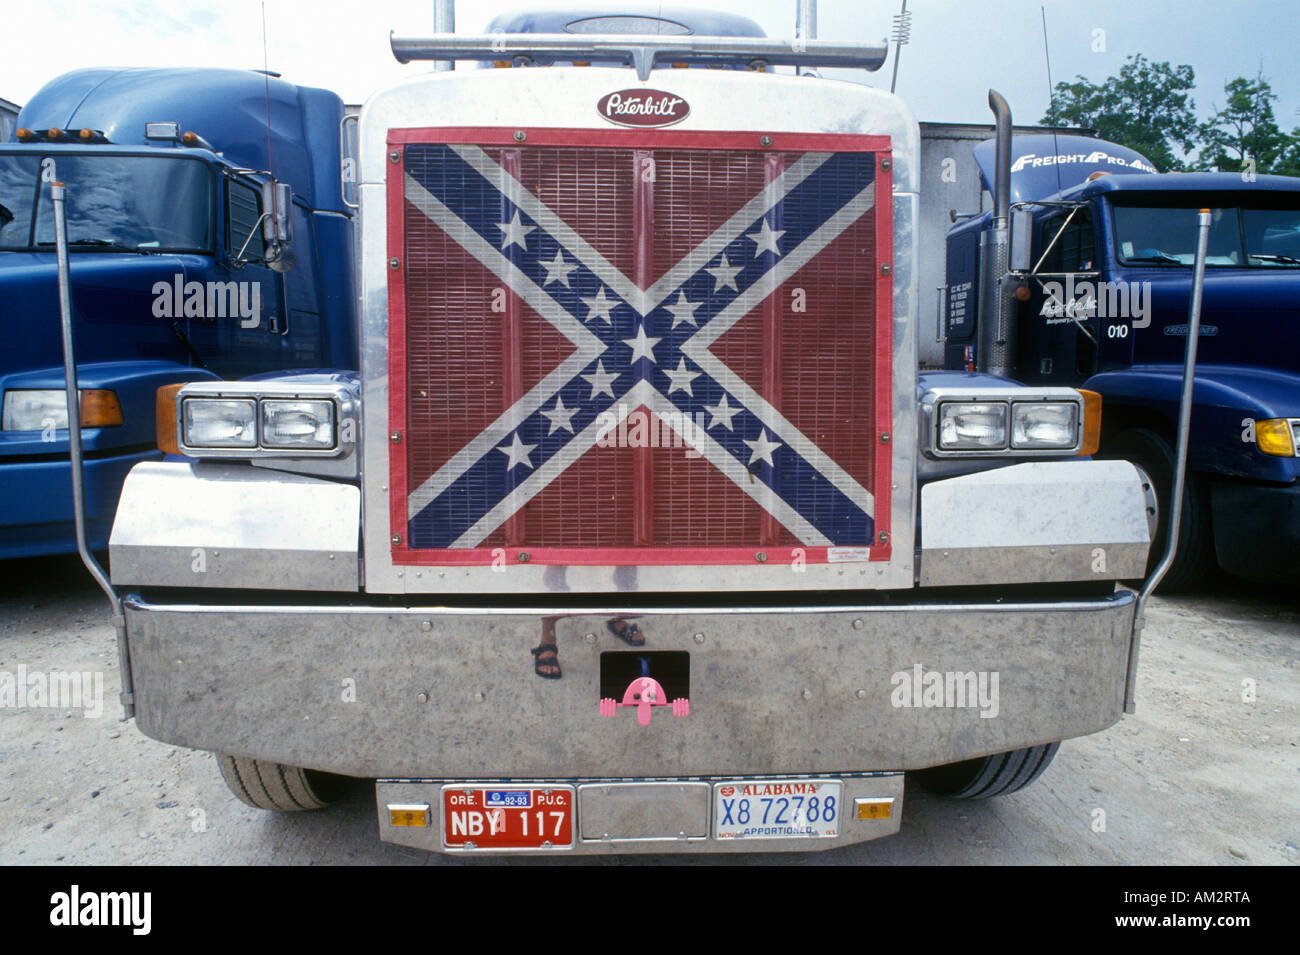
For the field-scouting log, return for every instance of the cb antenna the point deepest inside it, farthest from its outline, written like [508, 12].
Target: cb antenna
[266, 76]
[902, 35]
[1051, 98]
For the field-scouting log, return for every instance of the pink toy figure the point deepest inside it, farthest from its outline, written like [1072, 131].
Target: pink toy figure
[645, 692]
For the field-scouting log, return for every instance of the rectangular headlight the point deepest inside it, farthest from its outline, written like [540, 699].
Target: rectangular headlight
[219, 422]
[39, 409]
[1044, 424]
[972, 425]
[298, 424]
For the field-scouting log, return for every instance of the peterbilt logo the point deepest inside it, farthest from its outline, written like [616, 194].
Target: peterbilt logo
[643, 108]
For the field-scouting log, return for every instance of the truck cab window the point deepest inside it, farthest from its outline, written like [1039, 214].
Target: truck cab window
[1075, 250]
[243, 209]
[115, 203]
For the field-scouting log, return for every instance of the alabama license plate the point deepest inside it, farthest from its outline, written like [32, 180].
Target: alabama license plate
[777, 809]
[507, 817]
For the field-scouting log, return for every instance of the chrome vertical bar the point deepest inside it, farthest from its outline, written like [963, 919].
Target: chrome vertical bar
[74, 446]
[1180, 463]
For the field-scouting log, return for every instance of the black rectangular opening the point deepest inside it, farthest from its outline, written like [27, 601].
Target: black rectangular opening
[672, 668]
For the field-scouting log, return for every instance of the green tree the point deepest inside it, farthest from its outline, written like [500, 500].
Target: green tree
[1146, 107]
[1245, 129]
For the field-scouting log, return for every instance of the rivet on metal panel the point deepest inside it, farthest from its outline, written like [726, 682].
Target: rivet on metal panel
[807, 693]
[860, 694]
[422, 697]
[426, 625]
[884, 268]
[884, 437]
[858, 624]
[886, 164]
[1053, 550]
[524, 557]
[394, 263]
[395, 156]
[590, 637]
[681, 834]
[760, 556]
[478, 696]
[699, 638]
[765, 141]
[884, 537]
[520, 135]
[397, 539]
[395, 437]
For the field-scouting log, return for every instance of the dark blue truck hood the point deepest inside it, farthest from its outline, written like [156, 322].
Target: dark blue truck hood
[112, 302]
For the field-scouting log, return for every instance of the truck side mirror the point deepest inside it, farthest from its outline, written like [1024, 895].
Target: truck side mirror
[1022, 232]
[277, 227]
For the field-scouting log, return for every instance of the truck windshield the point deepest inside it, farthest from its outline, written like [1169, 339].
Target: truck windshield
[114, 203]
[1239, 237]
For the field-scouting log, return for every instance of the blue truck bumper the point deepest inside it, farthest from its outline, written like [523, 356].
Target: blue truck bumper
[1257, 530]
[36, 503]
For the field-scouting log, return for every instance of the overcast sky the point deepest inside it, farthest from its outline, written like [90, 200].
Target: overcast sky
[958, 48]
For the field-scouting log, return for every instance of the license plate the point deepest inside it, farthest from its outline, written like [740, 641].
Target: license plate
[777, 809]
[507, 817]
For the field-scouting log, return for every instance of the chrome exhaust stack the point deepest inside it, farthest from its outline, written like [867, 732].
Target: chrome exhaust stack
[995, 347]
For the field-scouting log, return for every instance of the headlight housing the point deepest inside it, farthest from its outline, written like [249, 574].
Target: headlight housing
[1044, 424]
[256, 420]
[298, 424]
[972, 425]
[219, 423]
[1013, 423]
[39, 409]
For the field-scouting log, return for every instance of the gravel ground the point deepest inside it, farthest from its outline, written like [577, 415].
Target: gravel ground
[1202, 774]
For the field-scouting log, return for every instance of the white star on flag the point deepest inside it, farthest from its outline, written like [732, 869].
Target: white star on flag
[762, 447]
[557, 270]
[681, 378]
[765, 239]
[683, 310]
[560, 416]
[600, 305]
[516, 233]
[600, 381]
[642, 346]
[721, 412]
[724, 275]
[517, 452]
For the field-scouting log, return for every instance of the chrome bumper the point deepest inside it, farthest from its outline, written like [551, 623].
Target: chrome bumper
[450, 692]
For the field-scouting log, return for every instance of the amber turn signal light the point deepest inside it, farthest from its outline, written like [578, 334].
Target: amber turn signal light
[1091, 422]
[165, 418]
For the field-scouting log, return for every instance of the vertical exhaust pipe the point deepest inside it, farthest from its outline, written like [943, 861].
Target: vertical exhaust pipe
[444, 21]
[995, 348]
[805, 28]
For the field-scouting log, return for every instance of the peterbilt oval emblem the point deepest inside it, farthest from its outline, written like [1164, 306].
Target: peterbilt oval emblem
[643, 108]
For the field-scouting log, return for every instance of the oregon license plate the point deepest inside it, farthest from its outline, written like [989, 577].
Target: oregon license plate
[507, 817]
[777, 809]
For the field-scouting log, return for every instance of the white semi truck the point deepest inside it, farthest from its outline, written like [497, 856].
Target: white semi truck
[637, 530]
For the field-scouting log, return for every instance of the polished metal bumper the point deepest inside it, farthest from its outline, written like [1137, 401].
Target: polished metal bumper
[450, 692]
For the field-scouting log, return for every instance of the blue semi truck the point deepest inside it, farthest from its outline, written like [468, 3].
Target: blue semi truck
[208, 239]
[1093, 291]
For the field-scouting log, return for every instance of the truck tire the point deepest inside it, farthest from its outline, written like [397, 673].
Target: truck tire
[1150, 451]
[273, 786]
[991, 776]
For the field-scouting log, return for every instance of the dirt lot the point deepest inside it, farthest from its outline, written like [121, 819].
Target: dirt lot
[1206, 772]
